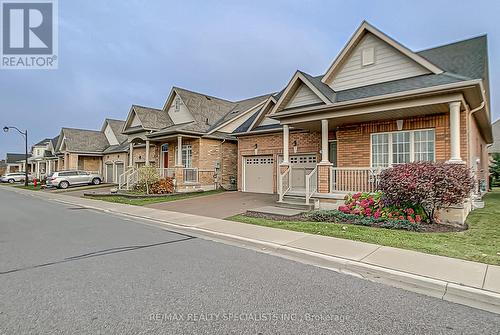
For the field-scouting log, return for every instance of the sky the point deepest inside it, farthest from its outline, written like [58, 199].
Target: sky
[116, 53]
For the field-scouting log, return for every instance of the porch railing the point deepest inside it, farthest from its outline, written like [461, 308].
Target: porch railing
[189, 175]
[354, 179]
[311, 184]
[284, 183]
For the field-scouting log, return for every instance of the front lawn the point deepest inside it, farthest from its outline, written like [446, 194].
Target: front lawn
[146, 201]
[29, 187]
[480, 243]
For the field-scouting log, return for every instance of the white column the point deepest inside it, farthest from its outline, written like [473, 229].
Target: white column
[286, 136]
[37, 173]
[130, 154]
[324, 141]
[147, 152]
[179, 151]
[455, 132]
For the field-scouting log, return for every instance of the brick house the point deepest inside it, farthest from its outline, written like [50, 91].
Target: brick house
[378, 104]
[102, 151]
[198, 124]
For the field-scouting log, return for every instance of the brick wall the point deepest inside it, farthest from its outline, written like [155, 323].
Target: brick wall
[272, 144]
[353, 142]
[116, 157]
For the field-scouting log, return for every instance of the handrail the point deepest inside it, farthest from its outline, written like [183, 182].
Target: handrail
[281, 191]
[313, 176]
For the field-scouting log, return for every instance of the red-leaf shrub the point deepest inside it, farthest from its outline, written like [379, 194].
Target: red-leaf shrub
[163, 186]
[430, 185]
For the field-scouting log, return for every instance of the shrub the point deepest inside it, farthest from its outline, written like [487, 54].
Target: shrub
[430, 186]
[163, 186]
[364, 204]
[147, 176]
[356, 219]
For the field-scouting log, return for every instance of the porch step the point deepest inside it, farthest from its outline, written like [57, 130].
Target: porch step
[296, 202]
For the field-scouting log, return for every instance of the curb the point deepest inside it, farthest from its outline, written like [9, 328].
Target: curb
[444, 290]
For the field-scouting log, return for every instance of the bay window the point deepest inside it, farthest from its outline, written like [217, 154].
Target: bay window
[401, 147]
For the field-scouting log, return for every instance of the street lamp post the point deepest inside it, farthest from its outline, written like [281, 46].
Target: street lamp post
[25, 134]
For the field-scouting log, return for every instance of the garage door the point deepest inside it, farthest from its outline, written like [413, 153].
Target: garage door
[109, 173]
[259, 174]
[119, 171]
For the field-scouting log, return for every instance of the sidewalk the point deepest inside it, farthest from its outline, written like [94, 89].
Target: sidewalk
[465, 282]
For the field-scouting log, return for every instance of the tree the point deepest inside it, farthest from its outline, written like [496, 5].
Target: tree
[495, 170]
[430, 185]
[148, 175]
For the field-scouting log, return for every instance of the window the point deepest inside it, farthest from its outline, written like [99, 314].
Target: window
[402, 147]
[187, 155]
[380, 150]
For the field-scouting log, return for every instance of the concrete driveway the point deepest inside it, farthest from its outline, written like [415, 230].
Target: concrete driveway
[221, 205]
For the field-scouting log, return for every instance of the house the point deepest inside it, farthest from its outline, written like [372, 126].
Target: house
[378, 104]
[189, 139]
[494, 148]
[100, 151]
[43, 159]
[16, 162]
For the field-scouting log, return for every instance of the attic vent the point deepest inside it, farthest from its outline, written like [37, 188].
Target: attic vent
[206, 121]
[368, 56]
[208, 98]
[177, 104]
[235, 111]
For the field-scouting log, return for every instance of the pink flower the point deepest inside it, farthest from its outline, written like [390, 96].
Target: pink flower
[410, 211]
[401, 217]
[355, 211]
[410, 219]
[377, 214]
[371, 201]
[364, 203]
[344, 209]
[356, 195]
[368, 211]
[418, 218]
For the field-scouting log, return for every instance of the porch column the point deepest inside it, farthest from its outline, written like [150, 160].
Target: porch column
[324, 141]
[37, 169]
[130, 154]
[455, 132]
[286, 146]
[325, 165]
[147, 152]
[179, 151]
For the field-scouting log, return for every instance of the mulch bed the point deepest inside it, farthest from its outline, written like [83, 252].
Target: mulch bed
[426, 228]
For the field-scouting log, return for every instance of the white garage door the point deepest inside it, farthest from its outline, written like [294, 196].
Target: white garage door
[259, 174]
[109, 173]
[119, 171]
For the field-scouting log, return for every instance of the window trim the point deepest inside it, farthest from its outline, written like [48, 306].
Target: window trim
[412, 144]
[185, 146]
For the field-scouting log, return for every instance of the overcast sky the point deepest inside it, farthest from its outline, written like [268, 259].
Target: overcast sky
[113, 54]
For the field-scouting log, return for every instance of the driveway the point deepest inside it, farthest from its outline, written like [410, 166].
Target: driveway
[221, 205]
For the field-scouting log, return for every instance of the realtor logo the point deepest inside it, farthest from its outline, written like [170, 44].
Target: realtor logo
[29, 34]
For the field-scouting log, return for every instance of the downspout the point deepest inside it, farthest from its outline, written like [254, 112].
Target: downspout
[478, 108]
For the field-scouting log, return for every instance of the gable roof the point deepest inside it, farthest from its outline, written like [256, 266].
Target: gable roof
[54, 141]
[43, 142]
[151, 118]
[12, 158]
[116, 127]
[84, 140]
[364, 28]
[240, 108]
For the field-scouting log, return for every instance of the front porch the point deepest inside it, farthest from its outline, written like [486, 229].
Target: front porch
[196, 166]
[353, 154]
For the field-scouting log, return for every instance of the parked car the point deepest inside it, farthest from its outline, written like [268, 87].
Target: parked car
[15, 177]
[64, 179]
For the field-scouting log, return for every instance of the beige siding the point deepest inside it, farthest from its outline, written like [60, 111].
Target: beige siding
[179, 116]
[302, 97]
[389, 65]
[135, 121]
[110, 135]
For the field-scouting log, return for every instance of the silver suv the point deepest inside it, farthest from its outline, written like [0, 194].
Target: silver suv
[15, 177]
[64, 179]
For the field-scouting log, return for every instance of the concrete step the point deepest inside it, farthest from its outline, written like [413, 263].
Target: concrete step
[296, 202]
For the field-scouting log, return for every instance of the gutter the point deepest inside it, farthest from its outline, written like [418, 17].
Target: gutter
[391, 96]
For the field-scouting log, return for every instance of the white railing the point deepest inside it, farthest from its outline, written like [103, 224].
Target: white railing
[354, 179]
[123, 179]
[166, 172]
[311, 184]
[190, 175]
[284, 183]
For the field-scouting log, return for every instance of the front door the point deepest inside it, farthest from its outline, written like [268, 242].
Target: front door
[164, 155]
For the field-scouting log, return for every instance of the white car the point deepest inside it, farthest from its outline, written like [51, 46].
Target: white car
[15, 177]
[64, 179]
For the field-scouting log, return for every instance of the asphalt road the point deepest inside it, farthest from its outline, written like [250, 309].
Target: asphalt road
[68, 270]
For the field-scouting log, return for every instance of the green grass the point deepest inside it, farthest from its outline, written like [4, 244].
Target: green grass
[146, 201]
[29, 187]
[480, 243]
